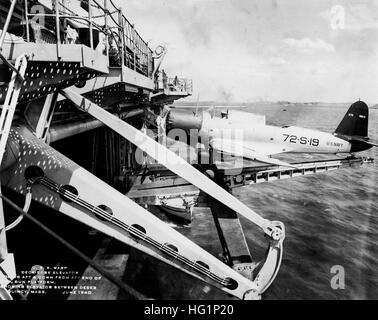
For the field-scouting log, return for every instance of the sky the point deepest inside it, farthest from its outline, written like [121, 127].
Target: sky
[272, 50]
[251, 50]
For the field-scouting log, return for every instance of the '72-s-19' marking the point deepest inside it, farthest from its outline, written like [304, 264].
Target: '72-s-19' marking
[302, 140]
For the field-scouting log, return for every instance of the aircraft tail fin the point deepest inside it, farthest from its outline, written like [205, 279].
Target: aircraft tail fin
[355, 121]
[354, 127]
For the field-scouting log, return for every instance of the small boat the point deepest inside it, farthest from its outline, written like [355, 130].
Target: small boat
[181, 207]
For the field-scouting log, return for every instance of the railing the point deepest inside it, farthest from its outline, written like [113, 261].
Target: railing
[176, 84]
[6, 24]
[137, 55]
[99, 24]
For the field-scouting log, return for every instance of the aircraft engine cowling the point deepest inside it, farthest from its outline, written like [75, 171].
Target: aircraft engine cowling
[184, 119]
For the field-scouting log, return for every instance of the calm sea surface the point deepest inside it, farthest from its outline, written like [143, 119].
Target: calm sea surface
[331, 219]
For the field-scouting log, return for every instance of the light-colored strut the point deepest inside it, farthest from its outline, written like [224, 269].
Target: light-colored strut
[175, 163]
[274, 229]
[66, 187]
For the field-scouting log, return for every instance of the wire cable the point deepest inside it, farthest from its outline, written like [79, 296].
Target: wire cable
[124, 287]
[28, 199]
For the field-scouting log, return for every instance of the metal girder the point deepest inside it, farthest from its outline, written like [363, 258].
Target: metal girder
[173, 162]
[112, 95]
[3, 239]
[69, 129]
[39, 113]
[46, 115]
[253, 172]
[10, 102]
[134, 78]
[275, 230]
[69, 53]
[6, 119]
[43, 78]
[117, 76]
[68, 188]
[168, 97]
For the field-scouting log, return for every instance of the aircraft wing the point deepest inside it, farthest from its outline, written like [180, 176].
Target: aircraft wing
[253, 151]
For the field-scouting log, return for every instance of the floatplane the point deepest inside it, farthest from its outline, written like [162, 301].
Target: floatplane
[246, 135]
[243, 135]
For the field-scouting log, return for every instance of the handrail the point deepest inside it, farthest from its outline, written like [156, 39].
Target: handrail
[6, 24]
[120, 37]
[176, 84]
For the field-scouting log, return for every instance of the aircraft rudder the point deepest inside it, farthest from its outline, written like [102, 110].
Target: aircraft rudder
[355, 121]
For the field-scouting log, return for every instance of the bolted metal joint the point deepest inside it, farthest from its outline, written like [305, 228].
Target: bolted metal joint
[276, 231]
[252, 294]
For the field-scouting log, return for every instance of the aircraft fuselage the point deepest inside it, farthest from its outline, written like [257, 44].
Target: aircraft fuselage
[286, 139]
[298, 139]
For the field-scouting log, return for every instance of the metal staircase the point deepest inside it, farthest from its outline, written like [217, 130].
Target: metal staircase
[7, 269]
[10, 103]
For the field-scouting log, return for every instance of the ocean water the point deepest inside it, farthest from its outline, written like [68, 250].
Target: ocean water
[331, 218]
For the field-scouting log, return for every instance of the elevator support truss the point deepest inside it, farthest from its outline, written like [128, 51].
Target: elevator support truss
[274, 230]
[7, 267]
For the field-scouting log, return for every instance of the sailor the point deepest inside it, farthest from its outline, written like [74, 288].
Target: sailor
[165, 79]
[176, 84]
[156, 79]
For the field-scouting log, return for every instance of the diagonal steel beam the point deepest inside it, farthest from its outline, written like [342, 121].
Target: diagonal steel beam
[173, 162]
[126, 216]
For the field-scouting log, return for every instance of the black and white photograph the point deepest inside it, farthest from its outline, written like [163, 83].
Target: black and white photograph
[200, 152]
